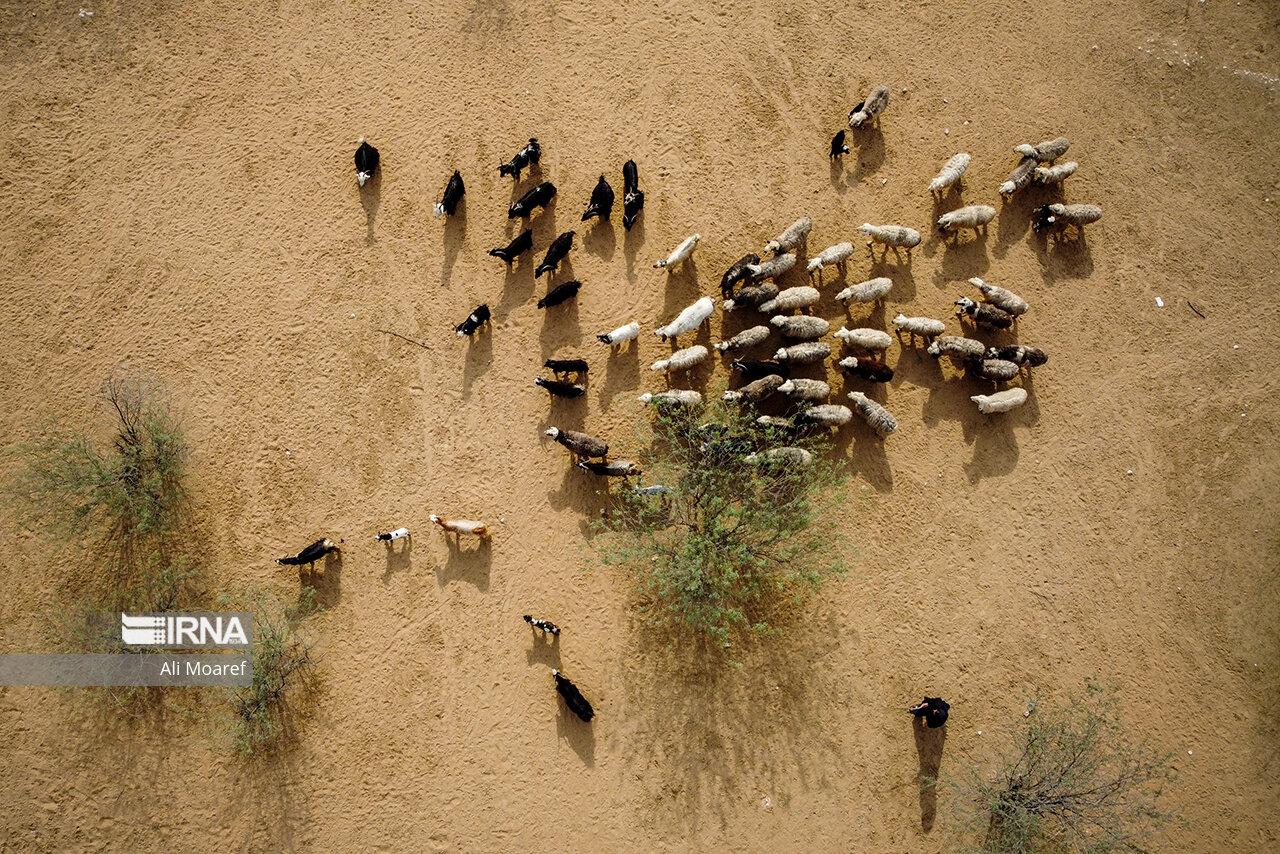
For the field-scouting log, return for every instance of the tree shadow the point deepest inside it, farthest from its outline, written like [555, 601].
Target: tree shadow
[600, 240]
[579, 733]
[326, 585]
[929, 742]
[479, 358]
[371, 200]
[398, 559]
[471, 565]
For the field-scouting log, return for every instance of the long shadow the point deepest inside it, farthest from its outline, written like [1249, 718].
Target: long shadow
[929, 742]
[560, 326]
[326, 584]
[398, 559]
[543, 650]
[455, 230]
[631, 243]
[681, 289]
[479, 358]
[1013, 221]
[466, 563]
[622, 373]
[580, 734]
[567, 413]
[963, 256]
[868, 151]
[838, 183]
[1063, 255]
[581, 490]
[371, 200]
[517, 286]
[543, 223]
[600, 240]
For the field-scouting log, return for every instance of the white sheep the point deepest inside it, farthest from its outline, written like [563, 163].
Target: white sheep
[867, 339]
[825, 415]
[950, 173]
[776, 422]
[874, 414]
[688, 320]
[681, 360]
[619, 335]
[892, 236]
[790, 299]
[802, 389]
[837, 255]
[997, 370]
[971, 216]
[674, 397]
[871, 108]
[1006, 301]
[752, 295]
[1020, 177]
[1001, 401]
[796, 235]
[1045, 152]
[754, 392]
[1060, 216]
[868, 291]
[925, 327]
[680, 253]
[772, 268]
[744, 339]
[801, 326]
[958, 348]
[804, 354]
[788, 456]
[1055, 174]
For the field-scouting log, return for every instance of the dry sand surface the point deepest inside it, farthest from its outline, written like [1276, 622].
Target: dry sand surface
[179, 203]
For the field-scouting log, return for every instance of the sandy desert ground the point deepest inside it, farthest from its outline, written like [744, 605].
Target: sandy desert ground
[179, 203]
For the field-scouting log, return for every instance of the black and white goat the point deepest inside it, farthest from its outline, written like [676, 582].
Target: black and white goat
[529, 155]
[366, 162]
[453, 194]
[539, 197]
[632, 197]
[474, 321]
[310, 554]
[546, 625]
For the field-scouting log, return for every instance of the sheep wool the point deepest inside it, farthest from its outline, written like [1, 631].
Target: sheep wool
[864, 338]
[1006, 301]
[1001, 401]
[757, 391]
[681, 360]
[672, 397]
[984, 314]
[688, 320]
[923, 326]
[619, 335]
[868, 291]
[837, 254]
[785, 456]
[997, 370]
[752, 295]
[874, 414]
[897, 236]
[871, 108]
[772, 268]
[795, 235]
[1045, 152]
[950, 173]
[804, 354]
[579, 443]
[973, 216]
[1076, 215]
[680, 253]
[744, 339]
[790, 299]
[826, 415]
[801, 326]
[1020, 177]
[962, 349]
[801, 389]
[1055, 174]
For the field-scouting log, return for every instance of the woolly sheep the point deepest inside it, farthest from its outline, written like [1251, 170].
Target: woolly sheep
[874, 414]
[1001, 401]
[804, 354]
[868, 291]
[680, 253]
[796, 235]
[926, 327]
[837, 255]
[579, 444]
[802, 326]
[961, 349]
[972, 216]
[619, 335]
[867, 339]
[1019, 177]
[752, 295]
[1019, 354]
[688, 320]
[871, 108]
[681, 360]
[786, 456]
[825, 415]
[1055, 174]
[895, 236]
[673, 397]
[757, 391]
[616, 468]
[996, 370]
[772, 268]
[801, 389]
[984, 314]
[744, 339]
[792, 298]
[867, 369]
[776, 422]
[1006, 301]
[1060, 216]
[950, 173]
[1046, 152]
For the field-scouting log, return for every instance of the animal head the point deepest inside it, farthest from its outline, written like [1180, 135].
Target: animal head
[865, 228]
[899, 320]
[1025, 150]
[787, 386]
[553, 432]
[434, 518]
[645, 398]
[967, 306]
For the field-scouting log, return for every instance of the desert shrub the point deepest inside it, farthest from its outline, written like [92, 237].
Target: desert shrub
[1073, 780]
[731, 537]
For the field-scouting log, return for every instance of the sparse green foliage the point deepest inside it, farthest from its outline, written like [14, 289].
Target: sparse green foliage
[1073, 781]
[732, 535]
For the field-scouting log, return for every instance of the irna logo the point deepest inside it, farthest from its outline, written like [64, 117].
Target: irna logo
[207, 630]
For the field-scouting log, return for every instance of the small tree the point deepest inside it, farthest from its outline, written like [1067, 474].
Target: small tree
[737, 527]
[1073, 781]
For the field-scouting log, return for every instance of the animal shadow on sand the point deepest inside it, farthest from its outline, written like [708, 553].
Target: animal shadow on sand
[579, 733]
[325, 583]
[929, 742]
[398, 559]
[964, 254]
[1063, 255]
[681, 287]
[600, 239]
[859, 443]
[583, 491]
[517, 286]
[455, 230]
[479, 357]
[544, 649]
[469, 559]
[560, 326]
[371, 200]
[622, 373]
[995, 445]
[867, 151]
[631, 243]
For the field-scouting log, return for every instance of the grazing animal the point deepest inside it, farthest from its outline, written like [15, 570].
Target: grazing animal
[791, 299]
[824, 415]
[566, 366]
[736, 274]
[871, 108]
[744, 339]
[772, 268]
[972, 216]
[474, 321]
[864, 338]
[546, 625]
[310, 554]
[1006, 301]
[891, 236]
[632, 197]
[874, 414]
[560, 293]
[801, 327]
[996, 370]
[1019, 354]
[366, 162]
[539, 197]
[1055, 174]
[560, 389]
[925, 327]
[573, 697]
[796, 234]
[453, 194]
[579, 444]
[1001, 401]
[802, 389]
[867, 369]
[950, 173]
[752, 295]
[522, 244]
[755, 370]
[958, 348]
[868, 291]
[1020, 177]
[837, 255]
[777, 423]
[804, 354]
[1060, 216]
[837, 145]
[754, 392]
[681, 360]
[656, 489]
[671, 397]
[461, 526]
[601, 204]
[984, 314]
[527, 156]
[1045, 152]
[786, 456]
[688, 320]
[555, 254]
[619, 335]
[398, 533]
[680, 253]
[618, 468]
